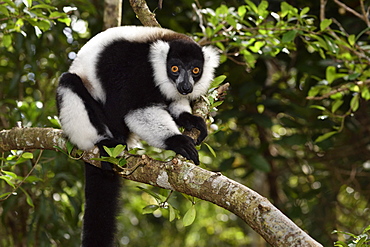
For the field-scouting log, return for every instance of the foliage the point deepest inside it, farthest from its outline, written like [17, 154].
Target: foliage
[251, 31]
[294, 126]
[361, 240]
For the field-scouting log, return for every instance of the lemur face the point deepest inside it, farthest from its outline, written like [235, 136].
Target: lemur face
[184, 65]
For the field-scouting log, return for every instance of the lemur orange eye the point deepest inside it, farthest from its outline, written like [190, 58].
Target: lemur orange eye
[196, 70]
[174, 69]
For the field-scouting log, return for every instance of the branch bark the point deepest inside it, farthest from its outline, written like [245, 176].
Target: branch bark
[186, 178]
[143, 13]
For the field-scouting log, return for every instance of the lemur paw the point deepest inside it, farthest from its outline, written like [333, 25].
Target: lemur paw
[183, 145]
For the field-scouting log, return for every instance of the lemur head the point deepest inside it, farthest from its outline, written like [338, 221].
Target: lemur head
[182, 68]
[184, 65]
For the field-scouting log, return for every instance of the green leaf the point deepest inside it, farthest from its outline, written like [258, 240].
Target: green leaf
[28, 198]
[44, 6]
[7, 40]
[210, 149]
[217, 81]
[352, 39]
[316, 90]
[340, 244]
[10, 174]
[118, 150]
[252, 6]
[27, 155]
[325, 136]
[289, 36]
[365, 93]
[355, 102]
[285, 8]
[330, 74]
[257, 46]
[222, 10]
[66, 20]
[4, 10]
[70, 147]
[9, 178]
[5, 195]
[150, 209]
[122, 162]
[336, 105]
[189, 216]
[362, 241]
[366, 229]
[230, 19]
[242, 10]
[325, 23]
[32, 179]
[319, 107]
[172, 213]
[157, 196]
[56, 14]
[332, 46]
[108, 150]
[304, 11]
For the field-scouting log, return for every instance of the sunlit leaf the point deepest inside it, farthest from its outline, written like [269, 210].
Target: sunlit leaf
[352, 39]
[325, 136]
[189, 216]
[27, 155]
[336, 105]
[304, 11]
[157, 196]
[242, 10]
[324, 24]
[150, 209]
[7, 40]
[118, 150]
[355, 102]
[173, 213]
[217, 81]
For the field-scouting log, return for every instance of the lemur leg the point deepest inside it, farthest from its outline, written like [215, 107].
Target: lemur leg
[81, 116]
[156, 126]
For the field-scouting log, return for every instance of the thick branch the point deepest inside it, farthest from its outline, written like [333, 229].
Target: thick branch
[143, 13]
[186, 178]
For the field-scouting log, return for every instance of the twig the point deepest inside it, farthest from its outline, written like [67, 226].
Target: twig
[354, 12]
[337, 90]
[322, 9]
[365, 13]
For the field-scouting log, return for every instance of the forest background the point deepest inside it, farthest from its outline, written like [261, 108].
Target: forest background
[295, 125]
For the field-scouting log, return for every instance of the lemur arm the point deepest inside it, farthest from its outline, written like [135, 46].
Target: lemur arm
[156, 126]
[181, 113]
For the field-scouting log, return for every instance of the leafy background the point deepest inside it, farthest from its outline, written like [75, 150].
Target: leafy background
[295, 125]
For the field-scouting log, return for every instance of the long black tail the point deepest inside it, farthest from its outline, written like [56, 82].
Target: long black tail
[102, 188]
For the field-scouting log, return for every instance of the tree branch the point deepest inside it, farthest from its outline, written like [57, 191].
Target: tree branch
[186, 178]
[112, 13]
[143, 13]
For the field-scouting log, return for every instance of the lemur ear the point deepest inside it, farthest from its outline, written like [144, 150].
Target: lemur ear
[211, 57]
